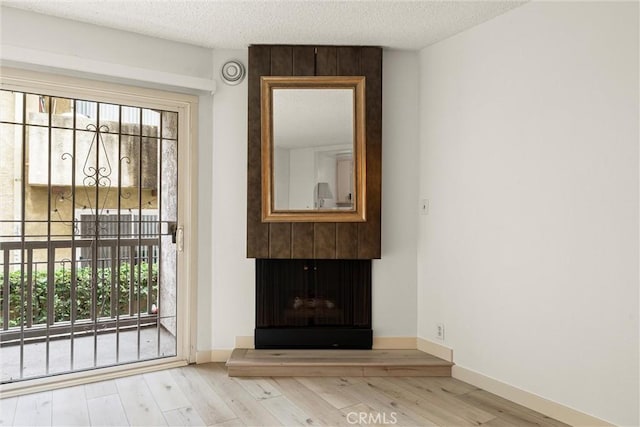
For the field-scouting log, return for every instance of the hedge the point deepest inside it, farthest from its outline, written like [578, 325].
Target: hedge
[62, 295]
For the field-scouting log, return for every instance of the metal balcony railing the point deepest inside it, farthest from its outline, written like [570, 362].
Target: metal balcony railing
[57, 298]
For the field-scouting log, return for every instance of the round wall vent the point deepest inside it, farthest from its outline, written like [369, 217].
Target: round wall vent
[233, 72]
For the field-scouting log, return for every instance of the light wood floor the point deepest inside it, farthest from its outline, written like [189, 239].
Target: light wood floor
[206, 395]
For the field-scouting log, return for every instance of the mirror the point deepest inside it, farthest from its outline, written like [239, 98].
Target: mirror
[313, 149]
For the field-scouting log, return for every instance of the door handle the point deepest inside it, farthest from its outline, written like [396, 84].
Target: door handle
[177, 235]
[180, 239]
[173, 229]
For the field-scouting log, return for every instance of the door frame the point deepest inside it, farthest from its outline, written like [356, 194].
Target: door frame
[187, 108]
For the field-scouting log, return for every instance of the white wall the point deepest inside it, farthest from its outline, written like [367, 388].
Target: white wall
[394, 276]
[281, 162]
[232, 278]
[302, 178]
[49, 34]
[529, 156]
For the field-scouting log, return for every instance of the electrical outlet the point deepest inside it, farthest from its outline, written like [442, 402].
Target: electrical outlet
[424, 207]
[440, 331]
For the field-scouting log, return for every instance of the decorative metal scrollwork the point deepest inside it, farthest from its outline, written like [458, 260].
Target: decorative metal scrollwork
[97, 176]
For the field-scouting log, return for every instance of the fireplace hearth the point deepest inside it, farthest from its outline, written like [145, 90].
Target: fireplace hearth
[315, 304]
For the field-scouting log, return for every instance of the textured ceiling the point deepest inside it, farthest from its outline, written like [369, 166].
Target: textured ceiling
[237, 24]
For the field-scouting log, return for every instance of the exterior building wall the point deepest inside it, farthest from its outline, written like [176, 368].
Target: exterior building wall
[7, 154]
[49, 210]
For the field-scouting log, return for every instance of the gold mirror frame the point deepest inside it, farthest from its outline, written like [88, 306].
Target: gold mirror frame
[357, 84]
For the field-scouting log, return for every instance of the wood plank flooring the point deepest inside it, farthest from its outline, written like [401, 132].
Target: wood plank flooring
[199, 395]
[327, 363]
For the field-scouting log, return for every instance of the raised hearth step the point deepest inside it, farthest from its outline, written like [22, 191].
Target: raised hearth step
[331, 363]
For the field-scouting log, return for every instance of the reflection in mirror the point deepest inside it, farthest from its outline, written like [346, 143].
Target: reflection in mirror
[313, 157]
[312, 135]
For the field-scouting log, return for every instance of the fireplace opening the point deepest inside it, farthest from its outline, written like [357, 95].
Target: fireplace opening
[313, 304]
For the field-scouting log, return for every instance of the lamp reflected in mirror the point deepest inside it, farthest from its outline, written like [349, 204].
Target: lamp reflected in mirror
[323, 192]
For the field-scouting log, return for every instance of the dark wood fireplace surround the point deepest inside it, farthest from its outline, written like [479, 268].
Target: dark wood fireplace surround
[313, 280]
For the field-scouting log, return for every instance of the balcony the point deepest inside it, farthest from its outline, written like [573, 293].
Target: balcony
[65, 315]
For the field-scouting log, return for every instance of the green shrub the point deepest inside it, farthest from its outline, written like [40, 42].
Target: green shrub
[62, 294]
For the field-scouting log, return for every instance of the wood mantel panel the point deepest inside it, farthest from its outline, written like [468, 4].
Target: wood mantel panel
[303, 61]
[281, 61]
[369, 233]
[324, 240]
[302, 240]
[316, 240]
[257, 231]
[348, 63]
[280, 240]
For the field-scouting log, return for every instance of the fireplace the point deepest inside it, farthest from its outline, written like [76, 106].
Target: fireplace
[313, 304]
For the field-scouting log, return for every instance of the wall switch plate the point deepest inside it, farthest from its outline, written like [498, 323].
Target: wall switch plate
[424, 207]
[440, 331]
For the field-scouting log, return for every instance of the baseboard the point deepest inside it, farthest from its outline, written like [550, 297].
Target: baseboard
[532, 401]
[212, 356]
[245, 341]
[221, 355]
[438, 350]
[394, 343]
